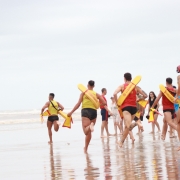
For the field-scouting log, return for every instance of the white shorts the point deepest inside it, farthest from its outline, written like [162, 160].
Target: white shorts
[117, 118]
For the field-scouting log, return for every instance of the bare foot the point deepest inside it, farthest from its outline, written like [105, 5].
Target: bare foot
[91, 127]
[50, 142]
[120, 144]
[111, 134]
[162, 137]
[159, 131]
[151, 132]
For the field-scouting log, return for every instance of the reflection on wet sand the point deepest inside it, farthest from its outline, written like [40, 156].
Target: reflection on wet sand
[107, 159]
[56, 169]
[55, 165]
[148, 158]
[91, 173]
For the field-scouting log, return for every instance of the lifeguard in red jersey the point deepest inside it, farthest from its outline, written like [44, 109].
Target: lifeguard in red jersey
[128, 107]
[168, 107]
[104, 113]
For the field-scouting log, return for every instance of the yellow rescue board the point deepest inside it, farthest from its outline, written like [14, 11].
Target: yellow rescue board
[142, 103]
[128, 90]
[67, 122]
[168, 94]
[91, 96]
[138, 114]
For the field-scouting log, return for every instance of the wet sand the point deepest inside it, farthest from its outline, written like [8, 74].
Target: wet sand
[25, 154]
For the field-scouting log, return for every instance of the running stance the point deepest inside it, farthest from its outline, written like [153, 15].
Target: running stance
[129, 105]
[105, 114]
[53, 119]
[168, 108]
[152, 98]
[88, 112]
[116, 117]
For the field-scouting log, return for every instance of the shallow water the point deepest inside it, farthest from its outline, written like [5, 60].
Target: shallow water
[25, 154]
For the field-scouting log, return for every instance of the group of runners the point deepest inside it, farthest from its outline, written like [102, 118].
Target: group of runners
[129, 109]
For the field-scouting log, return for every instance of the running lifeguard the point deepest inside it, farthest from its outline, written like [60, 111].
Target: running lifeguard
[53, 119]
[129, 105]
[168, 107]
[88, 112]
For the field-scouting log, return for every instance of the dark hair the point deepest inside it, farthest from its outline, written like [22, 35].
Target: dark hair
[153, 95]
[51, 94]
[91, 83]
[103, 89]
[174, 87]
[169, 80]
[128, 76]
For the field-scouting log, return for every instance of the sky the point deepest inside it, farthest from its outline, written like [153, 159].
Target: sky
[51, 46]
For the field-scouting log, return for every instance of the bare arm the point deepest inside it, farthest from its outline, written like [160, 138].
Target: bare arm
[157, 100]
[60, 106]
[140, 91]
[103, 102]
[119, 89]
[44, 107]
[77, 105]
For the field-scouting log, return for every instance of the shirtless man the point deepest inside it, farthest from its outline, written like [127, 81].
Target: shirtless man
[129, 105]
[53, 107]
[168, 108]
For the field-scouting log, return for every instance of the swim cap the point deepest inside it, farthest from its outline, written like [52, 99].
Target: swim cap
[178, 69]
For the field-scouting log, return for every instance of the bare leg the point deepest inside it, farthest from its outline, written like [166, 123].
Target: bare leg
[138, 122]
[153, 127]
[168, 118]
[56, 125]
[88, 127]
[127, 122]
[178, 126]
[102, 128]
[121, 127]
[115, 128]
[165, 126]
[156, 122]
[49, 126]
[131, 136]
[106, 128]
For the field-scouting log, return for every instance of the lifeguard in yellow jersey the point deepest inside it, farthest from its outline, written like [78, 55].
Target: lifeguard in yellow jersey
[88, 112]
[53, 119]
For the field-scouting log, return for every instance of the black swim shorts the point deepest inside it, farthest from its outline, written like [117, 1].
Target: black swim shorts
[89, 113]
[131, 109]
[172, 111]
[53, 118]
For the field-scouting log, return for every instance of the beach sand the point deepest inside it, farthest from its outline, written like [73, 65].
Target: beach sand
[25, 154]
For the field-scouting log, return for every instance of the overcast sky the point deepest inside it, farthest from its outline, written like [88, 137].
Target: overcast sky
[51, 46]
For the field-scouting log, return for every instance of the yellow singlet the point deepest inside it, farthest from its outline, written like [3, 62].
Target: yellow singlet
[86, 103]
[51, 109]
